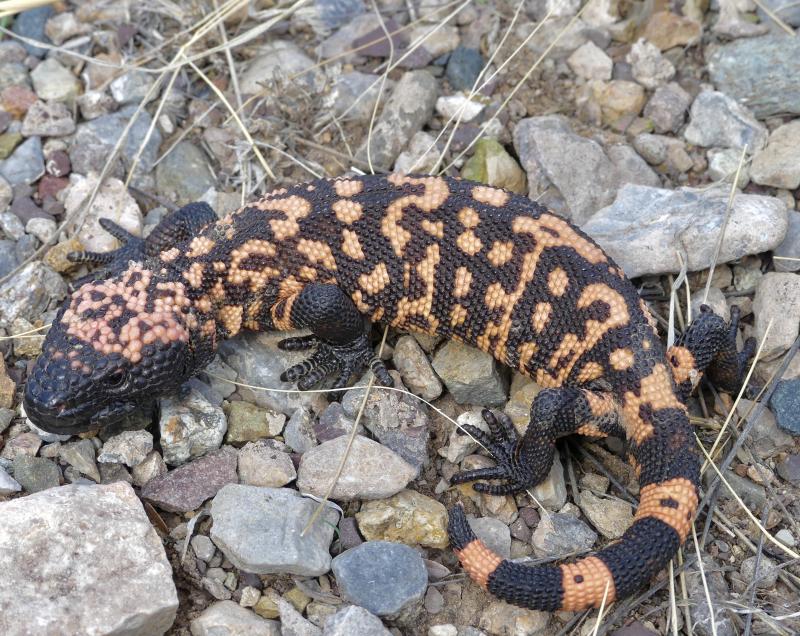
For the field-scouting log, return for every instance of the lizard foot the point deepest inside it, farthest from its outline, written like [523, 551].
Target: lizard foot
[502, 443]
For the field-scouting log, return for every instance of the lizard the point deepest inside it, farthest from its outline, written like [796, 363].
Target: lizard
[430, 254]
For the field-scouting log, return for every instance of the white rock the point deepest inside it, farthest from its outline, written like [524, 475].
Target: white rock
[591, 62]
[459, 107]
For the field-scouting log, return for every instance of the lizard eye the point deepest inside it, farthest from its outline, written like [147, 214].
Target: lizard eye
[115, 379]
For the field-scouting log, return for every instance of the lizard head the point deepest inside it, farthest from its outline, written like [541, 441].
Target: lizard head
[114, 347]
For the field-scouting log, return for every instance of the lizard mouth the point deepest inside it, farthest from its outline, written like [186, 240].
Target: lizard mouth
[62, 419]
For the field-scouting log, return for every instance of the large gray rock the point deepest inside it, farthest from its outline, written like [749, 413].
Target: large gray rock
[571, 174]
[371, 471]
[777, 305]
[472, 376]
[405, 112]
[259, 529]
[29, 294]
[354, 620]
[226, 618]
[720, 121]
[382, 577]
[644, 228]
[760, 73]
[83, 560]
[26, 163]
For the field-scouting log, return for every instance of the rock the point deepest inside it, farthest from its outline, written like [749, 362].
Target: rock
[415, 369]
[262, 463]
[723, 164]
[183, 175]
[716, 300]
[22, 444]
[559, 534]
[132, 87]
[64, 26]
[407, 109]
[552, 492]
[766, 438]
[256, 357]
[631, 167]
[788, 11]
[80, 455]
[353, 95]
[667, 107]
[53, 82]
[785, 403]
[153, 466]
[648, 66]
[709, 616]
[8, 142]
[25, 165]
[112, 202]
[94, 104]
[463, 67]
[42, 229]
[420, 156]
[397, 420]
[765, 577]
[186, 488]
[408, 517]
[591, 62]
[293, 623]
[639, 229]
[259, 530]
[8, 485]
[10, 224]
[190, 427]
[787, 255]
[777, 300]
[129, 448]
[471, 376]
[789, 469]
[31, 24]
[718, 120]
[666, 30]
[382, 577]
[491, 164]
[299, 432]
[611, 517]
[98, 528]
[459, 106]
[460, 444]
[494, 534]
[8, 259]
[776, 165]
[36, 473]
[619, 101]
[354, 620]
[94, 141]
[226, 618]
[567, 172]
[29, 293]
[371, 471]
[279, 59]
[51, 119]
[501, 618]
[248, 423]
[342, 42]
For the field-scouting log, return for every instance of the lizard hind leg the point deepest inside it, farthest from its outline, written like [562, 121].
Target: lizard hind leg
[525, 461]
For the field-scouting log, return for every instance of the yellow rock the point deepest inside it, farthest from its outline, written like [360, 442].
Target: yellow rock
[407, 517]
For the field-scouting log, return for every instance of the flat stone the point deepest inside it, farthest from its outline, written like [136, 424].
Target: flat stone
[26, 163]
[406, 111]
[22, 444]
[777, 165]
[787, 255]
[789, 469]
[262, 463]
[709, 618]
[226, 618]
[648, 66]
[299, 433]
[502, 618]
[98, 530]
[560, 534]
[591, 62]
[334, 422]
[132, 87]
[186, 488]
[611, 517]
[471, 376]
[785, 403]
[397, 420]
[183, 175]
[8, 485]
[493, 165]
[352, 620]
[190, 427]
[408, 517]
[353, 95]
[30, 24]
[80, 455]
[248, 423]
[36, 473]
[463, 67]
[259, 530]
[777, 301]
[720, 121]
[51, 119]
[129, 448]
[639, 229]
[64, 26]
[279, 59]
[667, 107]
[619, 101]
[382, 577]
[494, 533]
[371, 471]
[665, 30]
[760, 73]
[153, 466]
[723, 165]
[54, 82]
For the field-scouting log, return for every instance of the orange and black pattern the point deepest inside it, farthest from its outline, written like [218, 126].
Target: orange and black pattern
[427, 254]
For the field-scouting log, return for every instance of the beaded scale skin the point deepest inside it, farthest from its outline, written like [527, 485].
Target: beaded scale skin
[435, 255]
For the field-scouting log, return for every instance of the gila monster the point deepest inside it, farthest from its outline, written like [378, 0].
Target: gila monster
[436, 255]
